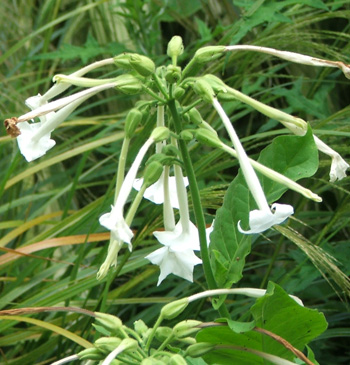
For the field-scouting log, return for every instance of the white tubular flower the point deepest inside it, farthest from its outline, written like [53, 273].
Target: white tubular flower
[339, 166]
[46, 108]
[174, 258]
[114, 220]
[262, 218]
[294, 57]
[155, 193]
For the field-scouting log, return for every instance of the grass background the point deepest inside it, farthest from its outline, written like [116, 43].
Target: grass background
[49, 208]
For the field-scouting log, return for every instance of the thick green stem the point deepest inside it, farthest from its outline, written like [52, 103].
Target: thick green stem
[197, 205]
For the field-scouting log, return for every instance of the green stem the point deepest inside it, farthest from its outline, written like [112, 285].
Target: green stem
[153, 94]
[197, 205]
[153, 332]
[121, 167]
[160, 86]
[189, 107]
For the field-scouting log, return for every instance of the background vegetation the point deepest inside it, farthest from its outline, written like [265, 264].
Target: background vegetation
[50, 207]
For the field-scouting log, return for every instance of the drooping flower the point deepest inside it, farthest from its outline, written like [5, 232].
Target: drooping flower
[262, 218]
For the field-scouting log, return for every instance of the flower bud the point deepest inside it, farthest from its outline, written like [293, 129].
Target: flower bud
[162, 333]
[208, 137]
[123, 61]
[173, 74]
[210, 53]
[179, 92]
[140, 327]
[170, 150]
[173, 309]
[108, 321]
[160, 134]
[186, 135]
[107, 344]
[177, 360]
[152, 173]
[175, 47]
[216, 83]
[128, 84]
[132, 121]
[199, 349]
[91, 353]
[195, 116]
[142, 65]
[152, 361]
[186, 328]
[204, 90]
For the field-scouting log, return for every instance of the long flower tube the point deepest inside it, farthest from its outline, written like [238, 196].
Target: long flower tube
[297, 126]
[36, 101]
[262, 218]
[294, 57]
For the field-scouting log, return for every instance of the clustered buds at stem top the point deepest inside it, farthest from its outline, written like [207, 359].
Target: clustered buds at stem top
[175, 48]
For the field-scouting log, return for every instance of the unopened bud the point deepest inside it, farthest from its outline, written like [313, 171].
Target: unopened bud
[173, 74]
[142, 65]
[140, 327]
[204, 90]
[160, 134]
[216, 83]
[207, 137]
[179, 92]
[186, 135]
[175, 47]
[186, 328]
[108, 321]
[107, 344]
[199, 349]
[195, 116]
[123, 61]
[177, 360]
[129, 344]
[209, 53]
[128, 84]
[92, 353]
[170, 150]
[162, 333]
[173, 309]
[152, 173]
[132, 121]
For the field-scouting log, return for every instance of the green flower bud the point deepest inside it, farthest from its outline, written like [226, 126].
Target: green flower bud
[208, 137]
[162, 333]
[210, 53]
[123, 61]
[140, 327]
[92, 353]
[177, 360]
[204, 90]
[152, 361]
[110, 322]
[107, 344]
[129, 344]
[186, 135]
[173, 309]
[128, 84]
[186, 328]
[142, 65]
[173, 74]
[170, 150]
[195, 116]
[199, 349]
[160, 134]
[175, 47]
[152, 173]
[179, 92]
[216, 83]
[132, 121]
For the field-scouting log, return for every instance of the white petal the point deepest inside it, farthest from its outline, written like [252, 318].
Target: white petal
[261, 220]
[155, 193]
[36, 101]
[170, 261]
[338, 168]
[30, 149]
[115, 222]
[179, 237]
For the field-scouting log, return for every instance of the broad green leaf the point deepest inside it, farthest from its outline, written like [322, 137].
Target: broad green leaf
[275, 312]
[293, 156]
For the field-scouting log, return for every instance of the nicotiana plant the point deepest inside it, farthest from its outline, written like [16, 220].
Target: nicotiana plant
[161, 172]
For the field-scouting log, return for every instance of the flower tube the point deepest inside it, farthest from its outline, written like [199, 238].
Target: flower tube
[262, 218]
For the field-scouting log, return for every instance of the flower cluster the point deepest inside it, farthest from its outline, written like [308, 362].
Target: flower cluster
[163, 180]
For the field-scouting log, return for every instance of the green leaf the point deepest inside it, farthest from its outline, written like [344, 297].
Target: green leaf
[276, 312]
[293, 156]
[236, 326]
